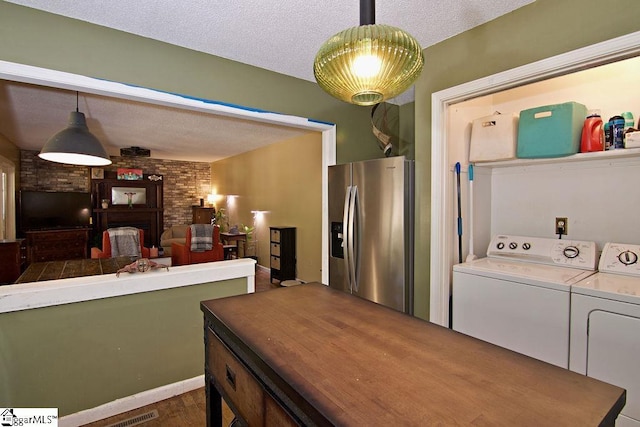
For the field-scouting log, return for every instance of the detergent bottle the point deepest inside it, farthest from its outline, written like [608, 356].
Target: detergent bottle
[592, 134]
[628, 120]
[616, 125]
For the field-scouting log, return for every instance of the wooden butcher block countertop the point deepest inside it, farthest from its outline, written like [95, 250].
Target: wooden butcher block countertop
[329, 358]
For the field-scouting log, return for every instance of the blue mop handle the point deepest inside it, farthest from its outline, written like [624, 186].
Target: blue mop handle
[470, 172]
[459, 207]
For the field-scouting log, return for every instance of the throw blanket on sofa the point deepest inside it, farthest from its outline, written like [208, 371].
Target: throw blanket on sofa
[201, 237]
[125, 241]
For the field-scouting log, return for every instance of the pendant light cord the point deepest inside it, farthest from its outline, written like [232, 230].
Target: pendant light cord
[77, 102]
[367, 12]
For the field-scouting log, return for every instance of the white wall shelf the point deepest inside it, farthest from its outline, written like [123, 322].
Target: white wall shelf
[580, 157]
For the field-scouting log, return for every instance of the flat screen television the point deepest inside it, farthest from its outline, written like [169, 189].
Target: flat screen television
[46, 210]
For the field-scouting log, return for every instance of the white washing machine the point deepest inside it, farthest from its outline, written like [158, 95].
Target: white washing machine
[605, 325]
[518, 297]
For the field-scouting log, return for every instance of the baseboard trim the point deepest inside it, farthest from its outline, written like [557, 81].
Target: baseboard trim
[268, 270]
[130, 403]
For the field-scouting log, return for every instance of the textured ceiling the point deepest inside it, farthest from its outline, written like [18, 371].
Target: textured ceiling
[282, 36]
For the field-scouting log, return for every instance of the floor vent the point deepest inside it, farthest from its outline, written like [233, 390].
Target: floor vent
[138, 419]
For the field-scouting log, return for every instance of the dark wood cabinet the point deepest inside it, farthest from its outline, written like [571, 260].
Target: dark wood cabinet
[202, 215]
[13, 257]
[146, 213]
[57, 245]
[283, 253]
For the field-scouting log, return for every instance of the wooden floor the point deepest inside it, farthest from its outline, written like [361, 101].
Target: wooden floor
[188, 409]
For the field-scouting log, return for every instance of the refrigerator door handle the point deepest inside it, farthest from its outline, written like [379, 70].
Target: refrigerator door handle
[354, 225]
[345, 235]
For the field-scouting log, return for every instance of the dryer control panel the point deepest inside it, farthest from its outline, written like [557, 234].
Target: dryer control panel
[564, 253]
[620, 258]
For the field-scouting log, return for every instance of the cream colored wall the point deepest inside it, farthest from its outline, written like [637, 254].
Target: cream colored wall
[9, 151]
[284, 179]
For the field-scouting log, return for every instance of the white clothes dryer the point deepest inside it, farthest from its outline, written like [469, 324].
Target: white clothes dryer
[605, 326]
[518, 297]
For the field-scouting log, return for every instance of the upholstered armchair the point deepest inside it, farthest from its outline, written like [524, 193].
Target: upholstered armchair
[105, 252]
[173, 234]
[181, 254]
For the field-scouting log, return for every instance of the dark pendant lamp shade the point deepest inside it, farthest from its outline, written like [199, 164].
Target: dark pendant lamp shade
[368, 64]
[75, 145]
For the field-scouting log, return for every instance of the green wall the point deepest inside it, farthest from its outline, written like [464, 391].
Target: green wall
[539, 30]
[50, 41]
[82, 355]
[407, 129]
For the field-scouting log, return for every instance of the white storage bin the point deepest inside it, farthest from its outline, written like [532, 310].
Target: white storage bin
[632, 140]
[493, 138]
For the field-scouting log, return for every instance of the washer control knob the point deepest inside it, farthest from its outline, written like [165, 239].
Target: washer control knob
[628, 258]
[500, 245]
[526, 246]
[513, 245]
[571, 251]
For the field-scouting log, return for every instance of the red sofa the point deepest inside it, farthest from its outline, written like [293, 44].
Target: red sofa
[181, 254]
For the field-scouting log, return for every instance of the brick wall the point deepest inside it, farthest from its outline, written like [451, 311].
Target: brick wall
[184, 182]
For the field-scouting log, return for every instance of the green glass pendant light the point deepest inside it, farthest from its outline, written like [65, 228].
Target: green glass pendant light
[368, 64]
[75, 145]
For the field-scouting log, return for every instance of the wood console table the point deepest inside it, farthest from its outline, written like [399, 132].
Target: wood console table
[57, 245]
[229, 238]
[202, 215]
[13, 257]
[312, 355]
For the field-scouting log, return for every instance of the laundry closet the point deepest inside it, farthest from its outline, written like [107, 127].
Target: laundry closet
[539, 295]
[599, 193]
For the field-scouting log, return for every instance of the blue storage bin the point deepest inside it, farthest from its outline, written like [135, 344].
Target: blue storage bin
[550, 131]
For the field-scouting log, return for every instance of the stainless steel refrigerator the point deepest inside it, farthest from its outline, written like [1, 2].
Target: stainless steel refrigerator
[371, 211]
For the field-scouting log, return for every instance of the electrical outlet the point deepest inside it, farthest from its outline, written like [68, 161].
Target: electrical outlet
[561, 225]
